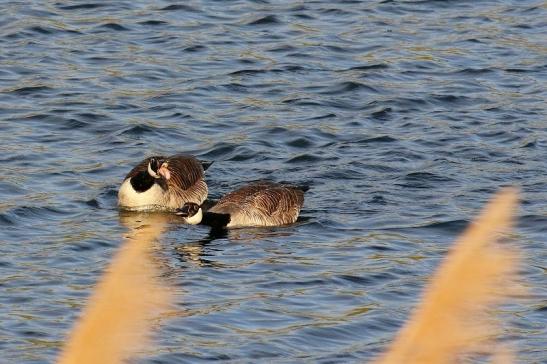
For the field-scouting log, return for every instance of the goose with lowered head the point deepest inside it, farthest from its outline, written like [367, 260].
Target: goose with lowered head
[164, 183]
[260, 203]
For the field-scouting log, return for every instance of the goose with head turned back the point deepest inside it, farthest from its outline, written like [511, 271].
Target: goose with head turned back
[260, 203]
[164, 183]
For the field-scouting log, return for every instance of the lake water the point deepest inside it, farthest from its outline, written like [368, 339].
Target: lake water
[402, 116]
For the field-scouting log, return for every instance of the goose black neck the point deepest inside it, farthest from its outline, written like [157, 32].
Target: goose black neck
[142, 181]
[215, 219]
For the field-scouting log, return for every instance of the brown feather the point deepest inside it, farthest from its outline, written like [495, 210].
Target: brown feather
[186, 184]
[262, 203]
[185, 171]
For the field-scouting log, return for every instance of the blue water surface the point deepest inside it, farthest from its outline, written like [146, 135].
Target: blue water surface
[403, 117]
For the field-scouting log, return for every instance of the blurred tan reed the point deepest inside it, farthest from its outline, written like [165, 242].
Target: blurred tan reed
[117, 321]
[451, 321]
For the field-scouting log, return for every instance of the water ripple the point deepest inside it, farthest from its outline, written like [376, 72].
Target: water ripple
[402, 117]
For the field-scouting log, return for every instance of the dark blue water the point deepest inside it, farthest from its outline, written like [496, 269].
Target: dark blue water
[402, 116]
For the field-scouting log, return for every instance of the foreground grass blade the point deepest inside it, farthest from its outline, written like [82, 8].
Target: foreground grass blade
[451, 319]
[117, 321]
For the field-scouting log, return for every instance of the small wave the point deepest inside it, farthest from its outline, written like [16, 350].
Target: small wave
[292, 284]
[266, 20]
[474, 40]
[299, 143]
[336, 49]
[283, 48]
[246, 72]
[235, 87]
[141, 129]
[374, 278]
[9, 188]
[378, 200]
[195, 48]
[90, 245]
[153, 22]
[112, 26]
[93, 203]
[107, 198]
[533, 222]
[377, 139]
[302, 102]
[341, 174]
[366, 67]
[50, 30]
[453, 226]
[423, 180]
[452, 99]
[41, 30]
[6, 220]
[349, 86]
[38, 117]
[176, 7]
[426, 176]
[243, 154]
[218, 151]
[36, 212]
[277, 130]
[81, 6]
[382, 114]
[290, 68]
[324, 116]
[338, 12]
[474, 71]
[517, 70]
[73, 124]
[304, 158]
[89, 116]
[304, 16]
[530, 144]
[30, 90]
[99, 59]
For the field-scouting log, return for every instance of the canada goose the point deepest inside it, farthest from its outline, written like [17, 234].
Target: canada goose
[164, 183]
[255, 204]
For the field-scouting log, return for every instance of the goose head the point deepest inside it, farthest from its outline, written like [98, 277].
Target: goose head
[191, 212]
[158, 168]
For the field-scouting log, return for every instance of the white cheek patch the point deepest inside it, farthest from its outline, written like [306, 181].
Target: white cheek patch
[151, 172]
[196, 219]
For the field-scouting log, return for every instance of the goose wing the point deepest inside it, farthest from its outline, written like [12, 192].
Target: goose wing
[270, 202]
[278, 200]
[185, 171]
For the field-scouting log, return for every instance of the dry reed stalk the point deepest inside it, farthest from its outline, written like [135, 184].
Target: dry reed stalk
[117, 320]
[451, 319]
